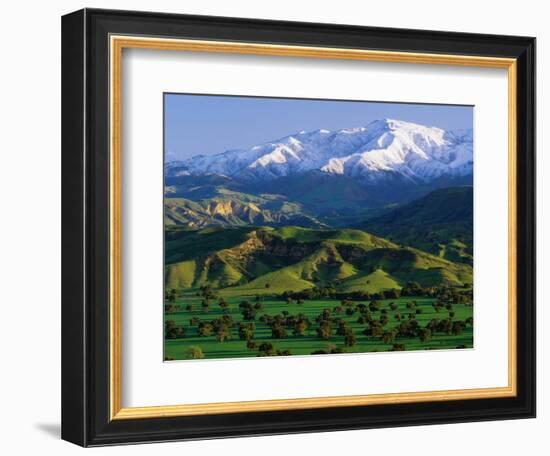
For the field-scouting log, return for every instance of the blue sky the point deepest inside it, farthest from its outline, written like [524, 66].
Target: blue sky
[201, 124]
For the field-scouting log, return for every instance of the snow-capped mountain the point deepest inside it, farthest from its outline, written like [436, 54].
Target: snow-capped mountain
[383, 150]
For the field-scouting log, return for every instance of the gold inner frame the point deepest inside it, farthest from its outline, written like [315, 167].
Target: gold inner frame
[117, 44]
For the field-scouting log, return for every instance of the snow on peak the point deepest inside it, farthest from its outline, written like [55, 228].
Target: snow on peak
[383, 149]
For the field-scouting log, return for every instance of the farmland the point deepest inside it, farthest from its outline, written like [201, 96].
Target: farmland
[187, 311]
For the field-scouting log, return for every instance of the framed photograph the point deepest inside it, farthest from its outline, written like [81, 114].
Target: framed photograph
[278, 227]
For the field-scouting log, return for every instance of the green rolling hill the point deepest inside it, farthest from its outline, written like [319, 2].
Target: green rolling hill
[265, 260]
[440, 223]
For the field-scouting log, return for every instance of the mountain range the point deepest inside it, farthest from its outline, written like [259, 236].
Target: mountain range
[385, 150]
[319, 178]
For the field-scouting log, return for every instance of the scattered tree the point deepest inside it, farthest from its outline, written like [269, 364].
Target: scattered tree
[300, 327]
[374, 306]
[195, 352]
[223, 333]
[172, 295]
[205, 329]
[389, 336]
[324, 331]
[266, 349]
[246, 331]
[425, 335]
[457, 328]
[278, 331]
[349, 339]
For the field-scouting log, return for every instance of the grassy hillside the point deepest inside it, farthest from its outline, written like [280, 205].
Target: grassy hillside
[250, 261]
[440, 223]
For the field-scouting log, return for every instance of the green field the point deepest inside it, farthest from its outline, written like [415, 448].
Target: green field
[178, 348]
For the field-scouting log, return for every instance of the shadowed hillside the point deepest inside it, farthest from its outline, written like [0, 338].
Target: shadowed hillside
[246, 261]
[440, 223]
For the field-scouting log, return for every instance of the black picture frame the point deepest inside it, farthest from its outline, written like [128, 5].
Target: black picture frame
[85, 224]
